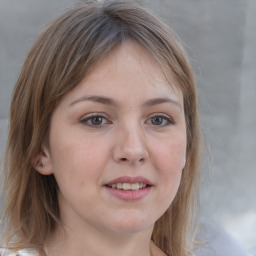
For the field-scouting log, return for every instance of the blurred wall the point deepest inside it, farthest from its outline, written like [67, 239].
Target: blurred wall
[220, 37]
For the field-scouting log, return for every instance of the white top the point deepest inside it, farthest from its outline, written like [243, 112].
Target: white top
[24, 252]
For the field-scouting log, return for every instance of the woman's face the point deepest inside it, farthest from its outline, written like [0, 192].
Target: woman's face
[117, 145]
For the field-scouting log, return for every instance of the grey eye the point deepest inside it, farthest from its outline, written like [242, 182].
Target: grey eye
[160, 120]
[97, 120]
[157, 120]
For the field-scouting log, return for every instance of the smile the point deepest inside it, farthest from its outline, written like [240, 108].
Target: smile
[128, 186]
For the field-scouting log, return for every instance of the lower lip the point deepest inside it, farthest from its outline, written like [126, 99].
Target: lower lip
[129, 195]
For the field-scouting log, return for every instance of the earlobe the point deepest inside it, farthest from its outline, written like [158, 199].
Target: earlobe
[42, 163]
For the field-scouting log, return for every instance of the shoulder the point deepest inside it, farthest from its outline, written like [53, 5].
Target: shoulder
[24, 252]
[155, 251]
[217, 242]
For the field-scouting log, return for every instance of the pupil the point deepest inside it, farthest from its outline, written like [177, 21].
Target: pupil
[157, 120]
[97, 120]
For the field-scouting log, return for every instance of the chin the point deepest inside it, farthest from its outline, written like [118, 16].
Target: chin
[132, 224]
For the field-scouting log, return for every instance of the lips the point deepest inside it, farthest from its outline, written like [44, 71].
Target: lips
[129, 183]
[129, 188]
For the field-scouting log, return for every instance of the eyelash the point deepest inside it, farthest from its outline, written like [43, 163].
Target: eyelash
[168, 120]
[87, 120]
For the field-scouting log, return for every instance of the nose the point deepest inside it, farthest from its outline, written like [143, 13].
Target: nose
[130, 146]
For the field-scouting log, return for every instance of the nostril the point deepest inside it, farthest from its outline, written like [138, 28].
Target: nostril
[125, 160]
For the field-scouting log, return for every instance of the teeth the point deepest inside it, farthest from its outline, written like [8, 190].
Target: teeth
[143, 185]
[129, 186]
[119, 185]
[135, 186]
[126, 186]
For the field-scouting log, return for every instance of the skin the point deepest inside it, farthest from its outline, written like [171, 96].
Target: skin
[131, 136]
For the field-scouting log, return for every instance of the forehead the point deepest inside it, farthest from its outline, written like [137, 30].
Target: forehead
[134, 61]
[128, 72]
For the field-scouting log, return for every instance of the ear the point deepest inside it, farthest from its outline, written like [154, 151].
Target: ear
[42, 162]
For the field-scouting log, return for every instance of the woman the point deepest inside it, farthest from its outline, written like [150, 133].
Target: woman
[103, 149]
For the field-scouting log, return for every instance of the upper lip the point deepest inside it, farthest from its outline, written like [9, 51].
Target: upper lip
[129, 179]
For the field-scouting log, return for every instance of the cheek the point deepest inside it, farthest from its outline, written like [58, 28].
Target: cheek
[169, 160]
[76, 171]
[77, 162]
[170, 155]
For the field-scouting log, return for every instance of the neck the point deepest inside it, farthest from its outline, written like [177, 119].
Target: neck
[66, 241]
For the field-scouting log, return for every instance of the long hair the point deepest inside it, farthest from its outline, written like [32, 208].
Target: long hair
[68, 48]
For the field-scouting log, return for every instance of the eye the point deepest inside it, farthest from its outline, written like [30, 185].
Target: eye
[95, 121]
[160, 120]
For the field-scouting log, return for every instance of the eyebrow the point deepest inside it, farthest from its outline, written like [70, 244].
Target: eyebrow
[158, 101]
[111, 102]
[98, 99]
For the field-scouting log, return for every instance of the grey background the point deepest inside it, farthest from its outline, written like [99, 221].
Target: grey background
[220, 37]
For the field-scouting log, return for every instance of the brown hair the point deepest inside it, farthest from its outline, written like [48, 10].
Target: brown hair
[66, 50]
